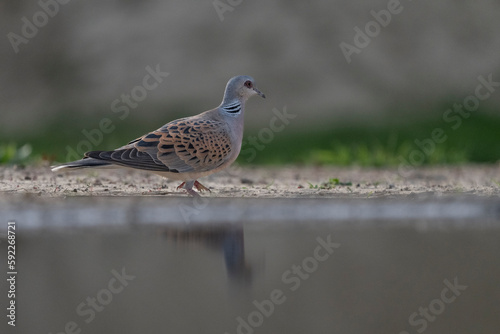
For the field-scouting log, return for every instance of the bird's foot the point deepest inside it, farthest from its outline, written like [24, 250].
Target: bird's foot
[201, 187]
[188, 186]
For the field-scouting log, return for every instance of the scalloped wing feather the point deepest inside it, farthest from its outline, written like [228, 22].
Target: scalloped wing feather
[185, 145]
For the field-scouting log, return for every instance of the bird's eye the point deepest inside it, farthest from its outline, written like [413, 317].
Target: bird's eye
[248, 84]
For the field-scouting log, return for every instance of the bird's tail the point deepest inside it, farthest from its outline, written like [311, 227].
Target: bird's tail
[82, 163]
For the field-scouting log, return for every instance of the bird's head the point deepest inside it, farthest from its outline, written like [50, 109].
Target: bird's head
[241, 88]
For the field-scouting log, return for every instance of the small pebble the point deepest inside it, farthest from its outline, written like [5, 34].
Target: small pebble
[246, 181]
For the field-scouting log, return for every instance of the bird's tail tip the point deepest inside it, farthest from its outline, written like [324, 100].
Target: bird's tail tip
[78, 164]
[57, 168]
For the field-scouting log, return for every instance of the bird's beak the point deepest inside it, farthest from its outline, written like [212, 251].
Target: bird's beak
[259, 92]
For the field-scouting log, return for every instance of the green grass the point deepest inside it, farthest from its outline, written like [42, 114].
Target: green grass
[11, 153]
[476, 140]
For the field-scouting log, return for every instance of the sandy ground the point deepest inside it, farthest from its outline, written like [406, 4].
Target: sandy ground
[311, 182]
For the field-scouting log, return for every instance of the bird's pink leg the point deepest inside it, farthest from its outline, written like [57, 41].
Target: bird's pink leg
[188, 186]
[201, 187]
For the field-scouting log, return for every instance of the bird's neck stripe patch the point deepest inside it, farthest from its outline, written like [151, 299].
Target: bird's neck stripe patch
[233, 108]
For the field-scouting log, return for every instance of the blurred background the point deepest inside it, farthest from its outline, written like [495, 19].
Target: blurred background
[363, 80]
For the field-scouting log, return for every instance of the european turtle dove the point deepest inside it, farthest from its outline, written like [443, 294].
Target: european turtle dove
[188, 148]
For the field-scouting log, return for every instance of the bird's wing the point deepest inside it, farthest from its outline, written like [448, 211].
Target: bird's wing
[184, 145]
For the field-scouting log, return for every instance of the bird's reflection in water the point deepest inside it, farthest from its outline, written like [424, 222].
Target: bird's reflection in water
[228, 239]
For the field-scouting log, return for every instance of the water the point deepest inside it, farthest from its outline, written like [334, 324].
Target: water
[433, 275]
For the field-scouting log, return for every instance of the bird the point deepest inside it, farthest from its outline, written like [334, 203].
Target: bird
[185, 149]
